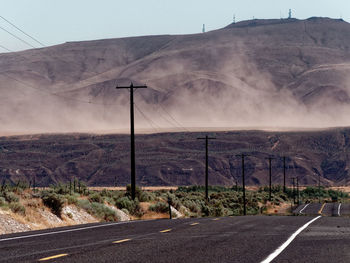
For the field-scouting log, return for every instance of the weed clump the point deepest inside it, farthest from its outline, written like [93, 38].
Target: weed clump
[53, 201]
[96, 197]
[17, 208]
[2, 201]
[159, 207]
[11, 197]
[97, 209]
[133, 206]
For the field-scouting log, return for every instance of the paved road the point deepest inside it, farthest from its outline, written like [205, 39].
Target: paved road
[345, 210]
[325, 209]
[326, 240]
[227, 239]
[308, 209]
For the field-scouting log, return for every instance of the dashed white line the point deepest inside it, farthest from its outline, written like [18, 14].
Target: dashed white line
[339, 209]
[69, 230]
[289, 240]
[303, 208]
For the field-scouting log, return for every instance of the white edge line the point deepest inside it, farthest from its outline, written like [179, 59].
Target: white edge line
[71, 230]
[339, 209]
[303, 208]
[289, 240]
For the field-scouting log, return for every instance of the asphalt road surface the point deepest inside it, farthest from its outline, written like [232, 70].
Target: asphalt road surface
[325, 209]
[226, 239]
[326, 240]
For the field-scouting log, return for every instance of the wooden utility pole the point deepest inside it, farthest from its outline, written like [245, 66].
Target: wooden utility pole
[298, 190]
[206, 164]
[132, 137]
[270, 177]
[243, 184]
[293, 190]
[319, 188]
[284, 174]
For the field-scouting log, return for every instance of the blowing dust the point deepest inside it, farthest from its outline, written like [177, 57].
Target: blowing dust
[184, 94]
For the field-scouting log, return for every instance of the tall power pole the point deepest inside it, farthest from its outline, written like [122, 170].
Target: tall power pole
[319, 188]
[298, 190]
[293, 190]
[284, 174]
[243, 185]
[206, 163]
[132, 137]
[270, 177]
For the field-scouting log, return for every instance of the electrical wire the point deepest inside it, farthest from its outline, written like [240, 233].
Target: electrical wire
[147, 119]
[37, 41]
[53, 94]
[95, 73]
[178, 123]
[3, 47]
[20, 39]
[70, 98]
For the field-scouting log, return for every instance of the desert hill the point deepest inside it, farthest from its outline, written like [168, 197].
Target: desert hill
[178, 158]
[260, 73]
[274, 73]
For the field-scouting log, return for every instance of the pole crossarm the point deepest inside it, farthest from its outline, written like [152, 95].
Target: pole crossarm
[132, 86]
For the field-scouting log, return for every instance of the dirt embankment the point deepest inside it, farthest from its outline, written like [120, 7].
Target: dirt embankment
[36, 215]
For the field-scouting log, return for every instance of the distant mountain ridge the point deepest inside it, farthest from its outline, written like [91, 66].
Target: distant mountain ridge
[277, 73]
[178, 158]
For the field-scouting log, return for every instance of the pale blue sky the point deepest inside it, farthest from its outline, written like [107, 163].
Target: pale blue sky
[54, 22]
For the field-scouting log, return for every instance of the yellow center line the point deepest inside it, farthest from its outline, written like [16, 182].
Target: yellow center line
[121, 241]
[320, 211]
[216, 219]
[164, 231]
[53, 257]
[193, 224]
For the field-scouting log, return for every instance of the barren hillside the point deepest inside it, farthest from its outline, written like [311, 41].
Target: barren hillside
[178, 158]
[260, 73]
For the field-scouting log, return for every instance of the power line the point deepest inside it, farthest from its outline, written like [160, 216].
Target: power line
[95, 73]
[20, 39]
[6, 48]
[22, 31]
[25, 42]
[53, 94]
[178, 123]
[160, 114]
[153, 125]
[70, 98]
[147, 119]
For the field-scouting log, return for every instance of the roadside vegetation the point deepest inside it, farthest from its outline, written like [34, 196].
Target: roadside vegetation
[189, 201]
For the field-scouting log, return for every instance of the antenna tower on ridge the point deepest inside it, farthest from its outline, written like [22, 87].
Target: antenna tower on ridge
[203, 29]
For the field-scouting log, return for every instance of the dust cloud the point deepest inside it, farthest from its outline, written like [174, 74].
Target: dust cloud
[184, 94]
